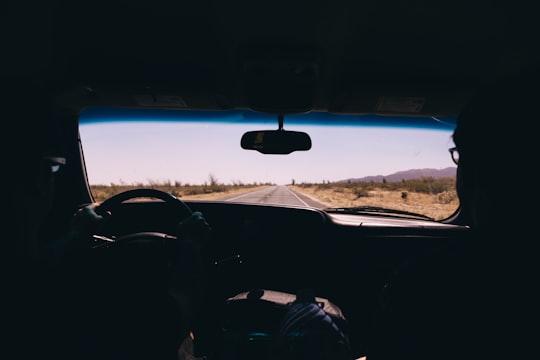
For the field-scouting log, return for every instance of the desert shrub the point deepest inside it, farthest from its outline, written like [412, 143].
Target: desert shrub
[447, 197]
[324, 186]
[361, 192]
[103, 192]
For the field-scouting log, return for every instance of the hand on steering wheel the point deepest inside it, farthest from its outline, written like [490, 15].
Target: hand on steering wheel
[194, 228]
[87, 221]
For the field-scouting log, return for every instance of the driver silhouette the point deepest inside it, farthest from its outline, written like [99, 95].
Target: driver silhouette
[60, 298]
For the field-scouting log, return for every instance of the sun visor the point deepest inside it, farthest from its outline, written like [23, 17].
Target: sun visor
[280, 85]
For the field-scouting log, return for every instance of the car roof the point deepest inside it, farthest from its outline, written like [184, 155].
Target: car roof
[412, 57]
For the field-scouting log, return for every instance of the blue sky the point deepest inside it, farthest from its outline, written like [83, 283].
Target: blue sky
[190, 152]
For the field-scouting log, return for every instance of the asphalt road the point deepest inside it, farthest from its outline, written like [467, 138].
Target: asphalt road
[277, 195]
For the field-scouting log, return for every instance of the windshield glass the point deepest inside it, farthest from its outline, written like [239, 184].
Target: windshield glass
[354, 160]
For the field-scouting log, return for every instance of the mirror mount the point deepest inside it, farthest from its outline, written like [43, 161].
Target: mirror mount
[280, 141]
[280, 121]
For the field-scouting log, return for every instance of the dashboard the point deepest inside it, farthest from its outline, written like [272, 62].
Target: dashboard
[344, 258]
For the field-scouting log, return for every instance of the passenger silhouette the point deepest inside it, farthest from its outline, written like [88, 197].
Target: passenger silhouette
[473, 299]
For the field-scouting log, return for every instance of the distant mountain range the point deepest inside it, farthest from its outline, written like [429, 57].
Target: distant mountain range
[412, 174]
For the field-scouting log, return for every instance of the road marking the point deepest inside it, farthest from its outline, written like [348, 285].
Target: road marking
[296, 196]
[239, 196]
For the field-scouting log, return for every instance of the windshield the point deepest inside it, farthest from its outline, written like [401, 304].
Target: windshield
[354, 160]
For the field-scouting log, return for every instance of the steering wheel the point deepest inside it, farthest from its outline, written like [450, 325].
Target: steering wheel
[179, 209]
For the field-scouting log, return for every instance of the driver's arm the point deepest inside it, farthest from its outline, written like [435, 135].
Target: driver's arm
[84, 223]
[187, 278]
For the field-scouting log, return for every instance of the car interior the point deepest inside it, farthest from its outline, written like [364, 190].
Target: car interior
[401, 62]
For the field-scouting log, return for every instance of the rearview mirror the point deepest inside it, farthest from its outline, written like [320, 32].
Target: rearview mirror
[276, 141]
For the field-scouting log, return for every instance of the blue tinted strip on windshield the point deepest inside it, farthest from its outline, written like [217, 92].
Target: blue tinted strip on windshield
[106, 114]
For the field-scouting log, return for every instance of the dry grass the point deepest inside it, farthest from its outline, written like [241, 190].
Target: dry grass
[438, 206]
[195, 192]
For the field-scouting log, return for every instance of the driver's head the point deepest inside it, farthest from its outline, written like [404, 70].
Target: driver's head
[496, 138]
[30, 159]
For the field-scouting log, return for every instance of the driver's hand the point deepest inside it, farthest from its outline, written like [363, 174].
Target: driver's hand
[86, 221]
[194, 228]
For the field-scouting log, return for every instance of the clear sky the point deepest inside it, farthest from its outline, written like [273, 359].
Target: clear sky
[191, 152]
